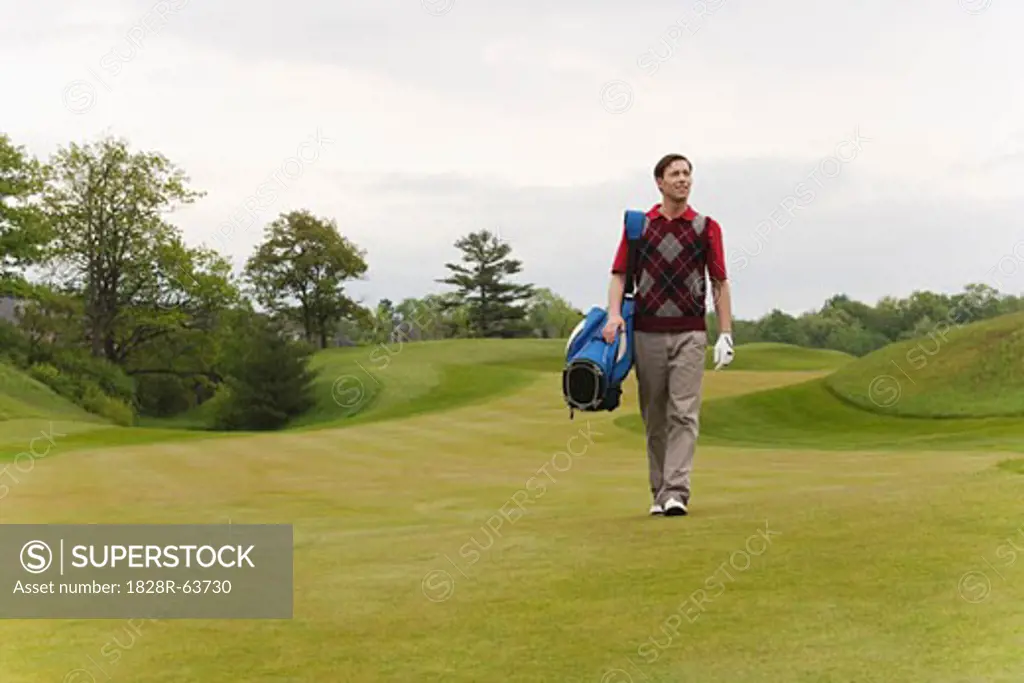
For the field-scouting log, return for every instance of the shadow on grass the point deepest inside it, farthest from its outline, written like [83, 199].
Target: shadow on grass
[1014, 465]
[459, 386]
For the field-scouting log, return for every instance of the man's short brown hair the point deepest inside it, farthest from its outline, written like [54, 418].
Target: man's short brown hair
[659, 168]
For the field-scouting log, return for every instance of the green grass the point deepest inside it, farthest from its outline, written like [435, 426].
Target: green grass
[35, 420]
[441, 375]
[30, 412]
[765, 356]
[446, 531]
[808, 415]
[1015, 465]
[418, 377]
[956, 371]
[22, 397]
[387, 381]
[354, 386]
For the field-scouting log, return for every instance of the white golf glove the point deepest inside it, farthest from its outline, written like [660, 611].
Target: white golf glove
[723, 350]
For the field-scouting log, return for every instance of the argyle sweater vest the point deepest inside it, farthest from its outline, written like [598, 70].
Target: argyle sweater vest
[670, 276]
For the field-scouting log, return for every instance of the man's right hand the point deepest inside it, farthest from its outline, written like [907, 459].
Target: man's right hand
[612, 327]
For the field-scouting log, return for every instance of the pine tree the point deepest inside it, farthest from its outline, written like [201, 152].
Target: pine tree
[497, 308]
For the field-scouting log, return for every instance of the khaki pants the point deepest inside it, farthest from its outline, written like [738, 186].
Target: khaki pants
[670, 372]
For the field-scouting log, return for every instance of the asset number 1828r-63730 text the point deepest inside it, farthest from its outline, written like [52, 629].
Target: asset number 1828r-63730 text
[173, 587]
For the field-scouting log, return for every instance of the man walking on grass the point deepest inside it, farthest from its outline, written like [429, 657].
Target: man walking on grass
[670, 330]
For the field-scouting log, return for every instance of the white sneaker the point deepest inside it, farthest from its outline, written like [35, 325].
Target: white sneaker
[656, 509]
[675, 507]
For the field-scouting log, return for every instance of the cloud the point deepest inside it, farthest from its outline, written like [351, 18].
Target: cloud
[865, 239]
[490, 116]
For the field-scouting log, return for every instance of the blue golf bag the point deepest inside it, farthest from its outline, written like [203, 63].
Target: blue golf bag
[595, 369]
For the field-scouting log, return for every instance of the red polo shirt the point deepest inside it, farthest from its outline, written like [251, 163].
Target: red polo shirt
[716, 252]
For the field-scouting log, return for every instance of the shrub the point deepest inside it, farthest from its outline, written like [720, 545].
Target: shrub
[52, 377]
[97, 402]
[14, 345]
[111, 379]
[163, 395]
[95, 384]
[269, 384]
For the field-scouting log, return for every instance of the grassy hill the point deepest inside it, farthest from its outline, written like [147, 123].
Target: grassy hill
[893, 399]
[360, 384]
[22, 397]
[974, 370]
[30, 410]
[356, 385]
[901, 397]
[781, 357]
[808, 415]
[433, 536]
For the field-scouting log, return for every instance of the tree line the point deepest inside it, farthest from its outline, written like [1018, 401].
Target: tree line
[857, 328]
[119, 314]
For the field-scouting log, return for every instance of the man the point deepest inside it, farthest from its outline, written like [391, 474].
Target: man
[670, 330]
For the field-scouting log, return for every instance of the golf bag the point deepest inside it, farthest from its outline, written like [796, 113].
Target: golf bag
[595, 369]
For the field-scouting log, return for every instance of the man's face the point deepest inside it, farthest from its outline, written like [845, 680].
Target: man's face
[675, 183]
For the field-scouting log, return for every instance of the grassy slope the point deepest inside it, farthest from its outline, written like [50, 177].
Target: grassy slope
[973, 370]
[893, 399]
[29, 409]
[357, 386]
[782, 357]
[427, 376]
[388, 381]
[36, 420]
[363, 384]
[807, 415]
[24, 398]
[405, 569]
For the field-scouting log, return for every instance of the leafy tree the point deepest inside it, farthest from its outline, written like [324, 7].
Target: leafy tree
[385, 321]
[977, 302]
[416, 320]
[495, 307]
[781, 327]
[551, 316]
[434, 316]
[51, 320]
[137, 279]
[15, 347]
[300, 271]
[22, 227]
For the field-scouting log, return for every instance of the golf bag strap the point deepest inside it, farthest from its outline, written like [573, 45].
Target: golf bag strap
[631, 258]
[699, 225]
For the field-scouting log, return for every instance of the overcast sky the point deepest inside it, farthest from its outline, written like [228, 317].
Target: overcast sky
[869, 148]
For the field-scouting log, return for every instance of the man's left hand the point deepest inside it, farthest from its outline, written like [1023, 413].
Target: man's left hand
[723, 350]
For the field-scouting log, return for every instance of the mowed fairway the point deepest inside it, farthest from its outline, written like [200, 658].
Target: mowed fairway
[496, 540]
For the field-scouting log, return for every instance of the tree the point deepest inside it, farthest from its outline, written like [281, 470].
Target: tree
[51, 320]
[551, 316]
[435, 316]
[781, 327]
[22, 228]
[300, 271]
[112, 246]
[385, 320]
[495, 306]
[417, 319]
[977, 302]
[270, 380]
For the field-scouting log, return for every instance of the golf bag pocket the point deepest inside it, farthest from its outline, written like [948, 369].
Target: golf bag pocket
[595, 369]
